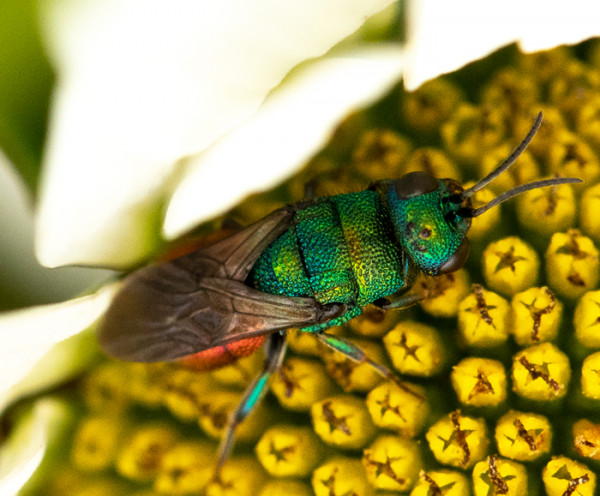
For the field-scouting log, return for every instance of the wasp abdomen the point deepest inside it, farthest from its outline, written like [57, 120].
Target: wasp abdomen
[219, 356]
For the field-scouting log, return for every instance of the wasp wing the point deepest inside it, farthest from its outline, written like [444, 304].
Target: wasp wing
[233, 257]
[199, 301]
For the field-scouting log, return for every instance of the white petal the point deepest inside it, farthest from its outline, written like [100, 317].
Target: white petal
[443, 36]
[20, 468]
[28, 335]
[293, 123]
[24, 450]
[22, 278]
[143, 83]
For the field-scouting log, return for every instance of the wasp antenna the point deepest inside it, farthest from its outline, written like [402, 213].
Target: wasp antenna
[521, 189]
[507, 163]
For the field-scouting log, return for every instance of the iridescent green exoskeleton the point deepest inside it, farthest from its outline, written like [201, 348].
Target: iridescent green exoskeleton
[310, 265]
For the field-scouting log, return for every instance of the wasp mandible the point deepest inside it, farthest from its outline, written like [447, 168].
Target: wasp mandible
[310, 265]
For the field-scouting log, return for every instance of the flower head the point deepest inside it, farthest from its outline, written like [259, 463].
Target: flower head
[132, 162]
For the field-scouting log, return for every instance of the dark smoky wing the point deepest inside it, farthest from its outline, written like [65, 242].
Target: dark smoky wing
[232, 258]
[147, 323]
[198, 301]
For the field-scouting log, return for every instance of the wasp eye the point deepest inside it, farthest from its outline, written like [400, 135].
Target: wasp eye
[415, 184]
[457, 260]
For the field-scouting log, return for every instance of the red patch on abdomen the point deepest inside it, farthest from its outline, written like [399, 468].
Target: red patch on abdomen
[219, 356]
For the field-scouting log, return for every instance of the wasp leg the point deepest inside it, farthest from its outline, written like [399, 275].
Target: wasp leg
[310, 189]
[276, 347]
[354, 353]
[402, 301]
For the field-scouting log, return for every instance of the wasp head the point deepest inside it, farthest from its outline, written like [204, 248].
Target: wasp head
[430, 221]
[431, 217]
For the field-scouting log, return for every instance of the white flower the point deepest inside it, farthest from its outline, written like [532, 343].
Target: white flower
[142, 85]
[161, 107]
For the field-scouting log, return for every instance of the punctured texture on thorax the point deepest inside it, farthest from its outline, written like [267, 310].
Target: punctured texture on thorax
[339, 250]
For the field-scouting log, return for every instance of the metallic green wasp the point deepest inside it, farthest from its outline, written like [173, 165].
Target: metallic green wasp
[310, 265]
